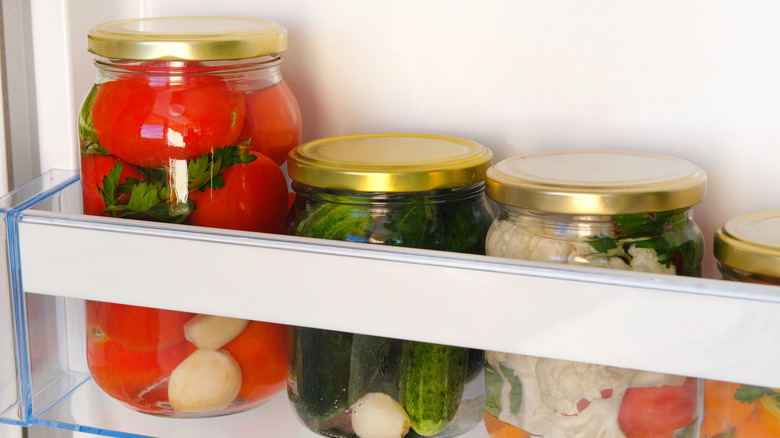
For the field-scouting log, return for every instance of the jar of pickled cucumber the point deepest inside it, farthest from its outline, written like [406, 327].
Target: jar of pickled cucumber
[418, 191]
[189, 121]
[616, 210]
[747, 249]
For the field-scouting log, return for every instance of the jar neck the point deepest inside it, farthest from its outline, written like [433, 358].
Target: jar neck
[734, 274]
[577, 226]
[243, 75]
[473, 192]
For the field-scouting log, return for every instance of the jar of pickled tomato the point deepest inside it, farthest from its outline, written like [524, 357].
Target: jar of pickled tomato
[616, 210]
[189, 121]
[417, 191]
[748, 250]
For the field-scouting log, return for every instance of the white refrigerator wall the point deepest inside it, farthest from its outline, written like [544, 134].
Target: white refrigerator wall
[697, 79]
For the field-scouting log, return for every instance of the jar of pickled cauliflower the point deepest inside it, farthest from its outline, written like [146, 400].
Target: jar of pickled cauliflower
[747, 249]
[416, 191]
[616, 210]
[189, 121]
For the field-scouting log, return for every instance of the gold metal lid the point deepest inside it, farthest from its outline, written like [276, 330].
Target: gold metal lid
[750, 243]
[389, 163]
[596, 182]
[187, 38]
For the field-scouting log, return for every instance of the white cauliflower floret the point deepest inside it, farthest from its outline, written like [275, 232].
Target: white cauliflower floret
[552, 390]
[507, 239]
[564, 383]
[646, 260]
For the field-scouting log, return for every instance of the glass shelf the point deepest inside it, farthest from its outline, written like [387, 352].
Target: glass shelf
[698, 327]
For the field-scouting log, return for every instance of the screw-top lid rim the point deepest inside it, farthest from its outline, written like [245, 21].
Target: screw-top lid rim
[187, 38]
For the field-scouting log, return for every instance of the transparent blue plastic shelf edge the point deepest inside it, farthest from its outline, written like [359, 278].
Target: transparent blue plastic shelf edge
[15, 395]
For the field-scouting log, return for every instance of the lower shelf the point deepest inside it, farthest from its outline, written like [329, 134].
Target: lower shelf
[88, 409]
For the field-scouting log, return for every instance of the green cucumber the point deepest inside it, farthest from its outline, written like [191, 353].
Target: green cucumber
[319, 372]
[333, 221]
[432, 381]
[375, 366]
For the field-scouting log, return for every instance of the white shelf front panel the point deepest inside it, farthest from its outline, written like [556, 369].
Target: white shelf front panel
[698, 327]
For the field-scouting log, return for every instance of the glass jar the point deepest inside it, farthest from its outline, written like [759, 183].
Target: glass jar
[616, 210]
[748, 250]
[189, 121]
[390, 189]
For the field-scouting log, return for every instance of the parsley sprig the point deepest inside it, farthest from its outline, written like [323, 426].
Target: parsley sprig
[671, 243]
[750, 393]
[155, 198]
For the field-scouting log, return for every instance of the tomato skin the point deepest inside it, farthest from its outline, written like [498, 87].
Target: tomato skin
[261, 352]
[138, 328]
[657, 412]
[272, 122]
[127, 374]
[93, 168]
[150, 120]
[254, 198]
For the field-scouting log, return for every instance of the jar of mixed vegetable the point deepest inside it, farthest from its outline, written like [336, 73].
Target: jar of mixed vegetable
[617, 210]
[416, 191]
[189, 121]
[747, 249]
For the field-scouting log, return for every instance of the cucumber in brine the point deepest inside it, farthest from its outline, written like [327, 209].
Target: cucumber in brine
[319, 373]
[432, 381]
[375, 366]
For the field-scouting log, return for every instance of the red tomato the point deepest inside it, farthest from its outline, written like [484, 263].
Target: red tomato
[254, 198]
[131, 376]
[656, 412]
[149, 120]
[93, 168]
[273, 122]
[261, 352]
[138, 328]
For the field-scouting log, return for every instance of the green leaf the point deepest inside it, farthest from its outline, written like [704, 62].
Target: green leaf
[110, 183]
[495, 380]
[206, 171]
[88, 139]
[751, 393]
[516, 391]
[493, 385]
[151, 198]
[603, 244]
[465, 226]
[413, 226]
[144, 196]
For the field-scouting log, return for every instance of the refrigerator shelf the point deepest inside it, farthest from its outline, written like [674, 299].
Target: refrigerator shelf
[698, 327]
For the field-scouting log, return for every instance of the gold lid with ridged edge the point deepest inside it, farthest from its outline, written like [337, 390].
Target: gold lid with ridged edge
[596, 182]
[389, 163]
[187, 38]
[750, 243]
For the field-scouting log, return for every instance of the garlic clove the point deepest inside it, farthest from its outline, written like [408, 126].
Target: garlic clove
[211, 332]
[206, 381]
[377, 415]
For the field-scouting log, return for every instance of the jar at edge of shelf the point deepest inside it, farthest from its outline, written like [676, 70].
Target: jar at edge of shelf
[616, 210]
[748, 250]
[189, 121]
[417, 191]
